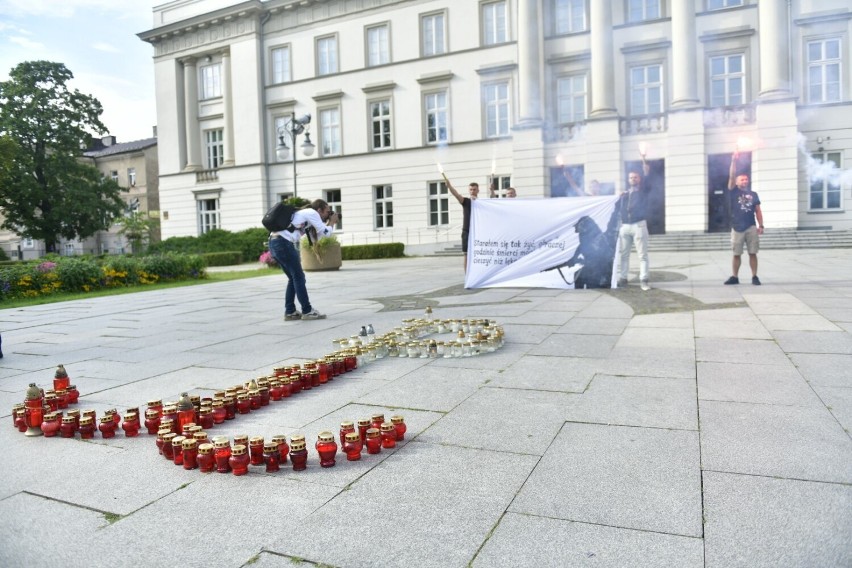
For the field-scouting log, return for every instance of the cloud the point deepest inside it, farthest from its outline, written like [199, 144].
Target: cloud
[101, 46]
[26, 43]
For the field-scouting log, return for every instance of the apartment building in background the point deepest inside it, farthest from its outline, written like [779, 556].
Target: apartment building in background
[500, 90]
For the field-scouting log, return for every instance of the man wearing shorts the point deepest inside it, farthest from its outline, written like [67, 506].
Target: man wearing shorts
[745, 210]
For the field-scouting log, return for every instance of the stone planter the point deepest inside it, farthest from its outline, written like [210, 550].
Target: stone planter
[332, 258]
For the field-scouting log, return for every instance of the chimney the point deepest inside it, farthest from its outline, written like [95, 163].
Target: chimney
[154, 129]
[108, 140]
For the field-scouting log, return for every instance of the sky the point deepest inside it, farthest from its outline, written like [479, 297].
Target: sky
[96, 40]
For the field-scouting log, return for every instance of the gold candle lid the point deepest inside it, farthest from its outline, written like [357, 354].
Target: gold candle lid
[105, 420]
[199, 436]
[397, 419]
[378, 418]
[221, 443]
[256, 441]
[373, 433]
[387, 426]
[205, 449]
[278, 438]
[155, 402]
[65, 420]
[189, 443]
[270, 447]
[325, 436]
[352, 437]
[74, 412]
[241, 439]
[363, 422]
[177, 440]
[297, 438]
[86, 420]
[346, 424]
[297, 446]
[151, 413]
[169, 437]
[238, 450]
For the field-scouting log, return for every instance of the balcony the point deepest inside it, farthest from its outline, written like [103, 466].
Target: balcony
[206, 176]
[647, 124]
[564, 132]
[719, 117]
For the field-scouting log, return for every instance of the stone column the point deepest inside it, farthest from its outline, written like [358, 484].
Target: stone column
[529, 64]
[774, 49]
[190, 93]
[683, 54]
[227, 110]
[603, 68]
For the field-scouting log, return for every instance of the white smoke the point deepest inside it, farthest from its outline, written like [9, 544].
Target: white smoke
[819, 171]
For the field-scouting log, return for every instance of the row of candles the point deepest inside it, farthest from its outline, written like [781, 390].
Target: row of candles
[192, 450]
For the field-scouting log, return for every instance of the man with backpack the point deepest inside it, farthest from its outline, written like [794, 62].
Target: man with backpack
[316, 220]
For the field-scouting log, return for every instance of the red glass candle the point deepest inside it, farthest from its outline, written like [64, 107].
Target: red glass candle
[222, 453]
[15, 409]
[326, 448]
[230, 407]
[177, 450]
[284, 383]
[50, 425]
[219, 411]
[21, 420]
[51, 401]
[275, 391]
[160, 434]
[200, 438]
[352, 446]
[283, 449]
[345, 428]
[272, 457]
[264, 395]
[363, 424]
[339, 366]
[315, 376]
[239, 460]
[298, 455]
[131, 425]
[374, 441]
[107, 427]
[376, 421]
[256, 450]
[116, 417]
[73, 394]
[87, 428]
[89, 413]
[185, 410]
[206, 459]
[399, 424]
[254, 399]
[168, 446]
[156, 405]
[296, 381]
[242, 440]
[152, 421]
[205, 418]
[68, 427]
[170, 416]
[34, 410]
[350, 362]
[388, 435]
[190, 454]
[324, 372]
[278, 371]
[187, 430]
[62, 398]
[61, 380]
[305, 380]
[243, 404]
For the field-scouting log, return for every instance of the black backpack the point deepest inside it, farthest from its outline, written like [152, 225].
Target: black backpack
[279, 217]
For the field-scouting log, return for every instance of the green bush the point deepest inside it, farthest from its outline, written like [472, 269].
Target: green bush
[3, 255]
[78, 274]
[381, 250]
[223, 258]
[249, 242]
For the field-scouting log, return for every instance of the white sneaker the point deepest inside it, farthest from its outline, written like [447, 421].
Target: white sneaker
[643, 284]
[313, 315]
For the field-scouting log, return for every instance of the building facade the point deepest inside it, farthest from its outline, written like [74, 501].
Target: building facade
[501, 90]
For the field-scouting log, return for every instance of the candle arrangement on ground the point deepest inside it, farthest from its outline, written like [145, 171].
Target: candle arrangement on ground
[181, 426]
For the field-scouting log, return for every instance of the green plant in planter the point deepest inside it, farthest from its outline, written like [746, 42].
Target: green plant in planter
[321, 246]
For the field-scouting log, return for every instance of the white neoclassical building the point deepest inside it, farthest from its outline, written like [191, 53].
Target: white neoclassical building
[503, 90]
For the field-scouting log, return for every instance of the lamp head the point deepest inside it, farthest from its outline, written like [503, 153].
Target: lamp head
[307, 145]
[282, 152]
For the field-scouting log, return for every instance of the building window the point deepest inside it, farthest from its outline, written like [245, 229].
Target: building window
[131, 176]
[494, 29]
[104, 248]
[281, 64]
[378, 45]
[641, 10]
[215, 148]
[280, 123]
[824, 71]
[113, 175]
[569, 16]
[432, 35]
[496, 97]
[211, 81]
[208, 215]
[719, 4]
[571, 94]
[327, 55]
[824, 173]
[436, 117]
[501, 184]
[439, 205]
[727, 80]
[380, 116]
[69, 249]
[384, 206]
[646, 90]
[330, 131]
[332, 197]
[27, 243]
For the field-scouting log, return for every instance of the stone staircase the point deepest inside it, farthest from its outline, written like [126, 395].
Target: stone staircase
[454, 250]
[771, 239]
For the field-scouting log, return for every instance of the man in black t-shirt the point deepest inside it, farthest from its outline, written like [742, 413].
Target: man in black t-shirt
[745, 209]
[465, 202]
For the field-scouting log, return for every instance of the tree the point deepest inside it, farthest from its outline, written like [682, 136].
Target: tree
[48, 192]
[137, 227]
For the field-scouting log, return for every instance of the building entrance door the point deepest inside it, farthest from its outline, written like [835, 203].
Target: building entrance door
[718, 202]
[656, 178]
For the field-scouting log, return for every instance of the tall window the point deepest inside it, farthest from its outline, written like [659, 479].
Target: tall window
[569, 16]
[131, 176]
[825, 181]
[824, 71]
[432, 34]
[208, 215]
[327, 55]
[439, 205]
[380, 117]
[332, 197]
[436, 117]
[571, 95]
[501, 184]
[378, 45]
[113, 175]
[494, 28]
[382, 195]
[281, 64]
[330, 131]
[646, 90]
[211, 81]
[27, 243]
[70, 250]
[496, 110]
[641, 10]
[215, 148]
[727, 80]
[719, 4]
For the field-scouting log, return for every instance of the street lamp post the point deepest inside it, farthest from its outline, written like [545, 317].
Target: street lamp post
[293, 128]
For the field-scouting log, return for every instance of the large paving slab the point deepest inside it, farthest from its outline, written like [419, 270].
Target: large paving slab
[745, 382]
[565, 374]
[824, 369]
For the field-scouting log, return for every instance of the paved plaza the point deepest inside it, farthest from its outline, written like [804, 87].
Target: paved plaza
[692, 425]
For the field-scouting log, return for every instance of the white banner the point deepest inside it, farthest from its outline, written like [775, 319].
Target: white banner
[564, 242]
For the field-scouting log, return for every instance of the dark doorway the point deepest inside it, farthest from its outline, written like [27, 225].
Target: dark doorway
[718, 203]
[656, 179]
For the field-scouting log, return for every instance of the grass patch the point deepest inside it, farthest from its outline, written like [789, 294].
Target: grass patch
[212, 277]
[112, 517]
